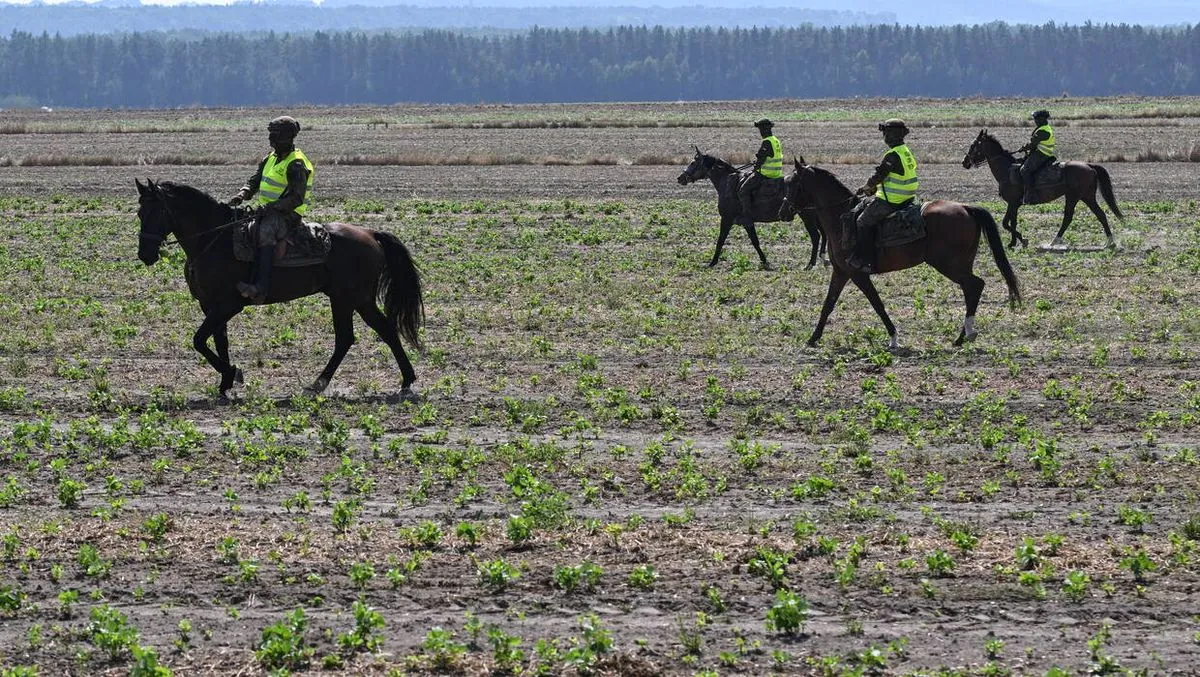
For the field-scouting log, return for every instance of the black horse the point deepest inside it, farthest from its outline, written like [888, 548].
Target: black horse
[362, 265]
[1079, 182]
[725, 178]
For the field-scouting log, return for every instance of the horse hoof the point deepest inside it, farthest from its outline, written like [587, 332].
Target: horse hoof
[238, 377]
[409, 395]
[1111, 244]
[964, 338]
[766, 266]
[317, 387]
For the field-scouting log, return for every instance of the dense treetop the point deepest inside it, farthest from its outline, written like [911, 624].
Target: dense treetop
[619, 64]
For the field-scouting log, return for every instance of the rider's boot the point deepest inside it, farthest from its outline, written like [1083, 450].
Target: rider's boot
[863, 258]
[1030, 196]
[257, 290]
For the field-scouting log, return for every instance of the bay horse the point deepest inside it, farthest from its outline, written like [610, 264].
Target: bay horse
[1079, 182]
[362, 264]
[725, 178]
[950, 245]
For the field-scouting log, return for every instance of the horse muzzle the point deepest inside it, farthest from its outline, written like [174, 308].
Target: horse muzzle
[149, 249]
[684, 179]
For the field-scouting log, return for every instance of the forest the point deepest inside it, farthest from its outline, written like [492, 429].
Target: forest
[617, 64]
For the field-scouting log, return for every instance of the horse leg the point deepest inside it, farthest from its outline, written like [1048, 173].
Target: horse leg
[1010, 222]
[377, 321]
[814, 236]
[837, 282]
[752, 231]
[864, 283]
[1068, 214]
[1095, 207]
[726, 224]
[214, 325]
[343, 338]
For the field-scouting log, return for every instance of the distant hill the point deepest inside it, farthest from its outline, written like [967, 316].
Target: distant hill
[121, 17]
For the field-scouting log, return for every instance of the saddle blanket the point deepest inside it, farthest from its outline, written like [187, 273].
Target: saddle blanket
[899, 228]
[1049, 175]
[308, 245]
[767, 199]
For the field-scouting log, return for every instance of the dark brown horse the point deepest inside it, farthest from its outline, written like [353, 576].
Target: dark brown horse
[950, 246]
[725, 178]
[1079, 182]
[362, 265]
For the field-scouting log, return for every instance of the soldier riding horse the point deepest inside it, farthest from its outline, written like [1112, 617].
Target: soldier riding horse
[1079, 182]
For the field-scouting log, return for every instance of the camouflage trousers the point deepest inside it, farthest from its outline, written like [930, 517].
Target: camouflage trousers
[274, 227]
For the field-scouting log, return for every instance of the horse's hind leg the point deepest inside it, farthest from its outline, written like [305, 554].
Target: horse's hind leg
[376, 320]
[343, 338]
[726, 224]
[972, 286]
[753, 233]
[1068, 214]
[1095, 207]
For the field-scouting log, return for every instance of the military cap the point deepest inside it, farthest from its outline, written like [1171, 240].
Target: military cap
[284, 124]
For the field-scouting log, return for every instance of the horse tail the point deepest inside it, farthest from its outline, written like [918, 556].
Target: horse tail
[400, 289]
[1106, 190]
[983, 219]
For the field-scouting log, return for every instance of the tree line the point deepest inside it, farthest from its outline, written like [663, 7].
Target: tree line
[620, 64]
[79, 19]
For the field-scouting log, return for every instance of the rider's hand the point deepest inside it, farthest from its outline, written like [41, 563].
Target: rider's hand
[236, 200]
[864, 191]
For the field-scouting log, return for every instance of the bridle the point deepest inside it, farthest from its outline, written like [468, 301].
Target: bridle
[986, 158]
[161, 240]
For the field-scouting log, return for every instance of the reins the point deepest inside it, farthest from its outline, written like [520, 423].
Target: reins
[163, 241]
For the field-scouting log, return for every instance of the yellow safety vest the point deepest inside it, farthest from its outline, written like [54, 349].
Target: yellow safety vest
[772, 167]
[1046, 147]
[274, 179]
[898, 188]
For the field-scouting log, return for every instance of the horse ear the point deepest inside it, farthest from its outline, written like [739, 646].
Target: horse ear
[140, 187]
[799, 162]
[698, 153]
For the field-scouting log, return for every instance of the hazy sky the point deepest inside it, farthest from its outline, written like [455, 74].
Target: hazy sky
[1149, 12]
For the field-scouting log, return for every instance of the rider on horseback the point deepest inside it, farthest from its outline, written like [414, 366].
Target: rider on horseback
[1040, 151]
[768, 164]
[895, 186]
[283, 183]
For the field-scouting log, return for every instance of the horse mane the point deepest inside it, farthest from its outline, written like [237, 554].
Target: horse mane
[718, 162]
[988, 136]
[183, 191]
[831, 179]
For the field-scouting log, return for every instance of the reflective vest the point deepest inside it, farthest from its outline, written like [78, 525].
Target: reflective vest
[898, 188]
[772, 167]
[1046, 147]
[274, 179]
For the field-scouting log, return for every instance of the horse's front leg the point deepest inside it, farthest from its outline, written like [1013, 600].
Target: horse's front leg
[752, 231]
[214, 325]
[726, 225]
[1010, 222]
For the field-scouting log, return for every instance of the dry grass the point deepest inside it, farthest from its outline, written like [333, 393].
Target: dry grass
[582, 124]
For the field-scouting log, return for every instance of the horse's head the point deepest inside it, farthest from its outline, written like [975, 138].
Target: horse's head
[155, 218]
[697, 170]
[977, 154]
[794, 197]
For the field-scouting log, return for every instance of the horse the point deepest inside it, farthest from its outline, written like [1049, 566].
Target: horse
[362, 265]
[950, 246]
[1079, 182]
[725, 178]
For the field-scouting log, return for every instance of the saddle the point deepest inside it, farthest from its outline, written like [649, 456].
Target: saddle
[767, 198]
[308, 245]
[1049, 175]
[900, 227]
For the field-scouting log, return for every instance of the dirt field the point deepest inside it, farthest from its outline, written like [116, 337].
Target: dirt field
[624, 463]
